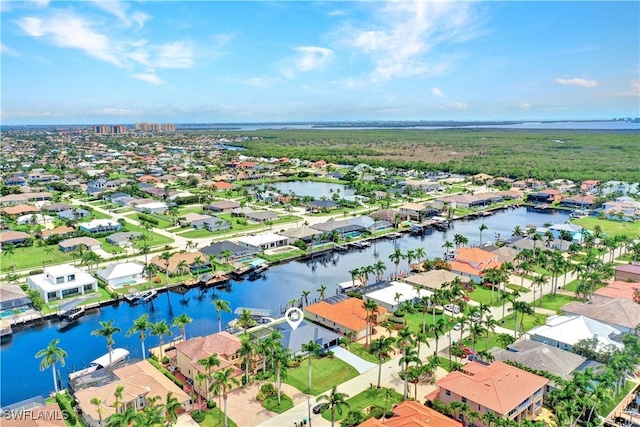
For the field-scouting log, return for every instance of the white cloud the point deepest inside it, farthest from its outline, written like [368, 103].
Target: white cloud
[633, 91]
[310, 58]
[119, 10]
[403, 35]
[6, 50]
[525, 106]
[437, 92]
[68, 30]
[149, 78]
[578, 82]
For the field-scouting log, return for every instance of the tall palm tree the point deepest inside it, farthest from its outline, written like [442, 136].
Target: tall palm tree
[221, 305]
[447, 247]
[312, 348]
[51, 355]
[107, 330]
[223, 382]
[166, 256]
[181, 322]
[381, 348]
[395, 258]
[336, 401]
[305, 295]
[150, 270]
[280, 358]
[379, 268]
[404, 341]
[246, 351]
[322, 290]
[482, 227]
[182, 267]
[124, 418]
[98, 404]
[140, 326]
[144, 249]
[538, 282]
[420, 254]
[370, 306]
[171, 406]
[245, 320]
[438, 329]
[160, 329]
[355, 273]
[490, 324]
[208, 363]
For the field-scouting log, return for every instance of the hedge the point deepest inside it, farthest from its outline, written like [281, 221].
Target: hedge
[166, 373]
[67, 409]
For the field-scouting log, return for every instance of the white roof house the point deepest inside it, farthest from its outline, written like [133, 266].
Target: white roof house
[386, 297]
[263, 241]
[61, 281]
[564, 331]
[121, 274]
[155, 207]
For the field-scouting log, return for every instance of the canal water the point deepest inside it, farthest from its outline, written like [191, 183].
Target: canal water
[20, 374]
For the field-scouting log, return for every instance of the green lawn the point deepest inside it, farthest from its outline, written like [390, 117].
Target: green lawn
[196, 234]
[555, 302]
[628, 386]
[33, 257]
[520, 289]
[609, 227]
[572, 286]
[215, 418]
[154, 238]
[283, 255]
[271, 403]
[364, 400]
[162, 222]
[483, 295]
[414, 320]
[362, 352]
[239, 228]
[326, 373]
[529, 322]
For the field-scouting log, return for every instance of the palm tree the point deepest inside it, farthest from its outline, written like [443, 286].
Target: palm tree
[379, 268]
[482, 227]
[420, 254]
[447, 247]
[490, 325]
[305, 295]
[150, 270]
[381, 348]
[182, 267]
[98, 403]
[322, 290]
[166, 256]
[171, 406]
[336, 401]
[9, 249]
[208, 363]
[107, 330]
[124, 418]
[280, 360]
[438, 329]
[367, 271]
[245, 320]
[51, 355]
[312, 348]
[370, 307]
[405, 341]
[140, 326]
[409, 256]
[246, 351]
[395, 258]
[355, 273]
[221, 305]
[160, 329]
[144, 249]
[181, 322]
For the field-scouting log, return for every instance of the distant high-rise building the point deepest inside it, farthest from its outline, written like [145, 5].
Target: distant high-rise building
[110, 129]
[155, 127]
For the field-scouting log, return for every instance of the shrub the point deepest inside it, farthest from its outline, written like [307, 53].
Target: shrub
[376, 411]
[211, 404]
[198, 416]
[67, 409]
[154, 361]
[266, 391]
[39, 271]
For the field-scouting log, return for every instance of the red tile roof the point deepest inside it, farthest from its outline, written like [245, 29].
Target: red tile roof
[499, 387]
[474, 255]
[413, 414]
[348, 313]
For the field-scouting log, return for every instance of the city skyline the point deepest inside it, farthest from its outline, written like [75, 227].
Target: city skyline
[185, 62]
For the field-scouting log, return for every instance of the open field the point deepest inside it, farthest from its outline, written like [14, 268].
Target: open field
[610, 228]
[580, 155]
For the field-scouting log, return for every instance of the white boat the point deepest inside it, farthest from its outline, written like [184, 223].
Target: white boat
[104, 361]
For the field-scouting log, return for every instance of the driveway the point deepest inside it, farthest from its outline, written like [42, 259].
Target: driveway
[360, 364]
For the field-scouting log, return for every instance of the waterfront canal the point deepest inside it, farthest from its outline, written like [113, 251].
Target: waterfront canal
[21, 377]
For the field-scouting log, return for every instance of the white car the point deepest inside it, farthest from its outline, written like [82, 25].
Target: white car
[457, 326]
[455, 309]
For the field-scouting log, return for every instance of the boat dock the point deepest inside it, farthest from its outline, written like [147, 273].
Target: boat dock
[141, 297]
[255, 312]
[5, 329]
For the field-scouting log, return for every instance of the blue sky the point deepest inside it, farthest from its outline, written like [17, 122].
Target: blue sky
[197, 61]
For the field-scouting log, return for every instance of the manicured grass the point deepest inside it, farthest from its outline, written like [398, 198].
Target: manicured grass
[154, 238]
[361, 351]
[443, 362]
[414, 320]
[196, 234]
[520, 289]
[364, 400]
[162, 222]
[628, 386]
[326, 373]
[283, 255]
[483, 295]
[529, 322]
[183, 210]
[215, 418]
[239, 228]
[610, 228]
[572, 286]
[271, 403]
[555, 302]
[33, 257]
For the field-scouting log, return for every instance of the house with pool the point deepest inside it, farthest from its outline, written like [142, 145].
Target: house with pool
[61, 281]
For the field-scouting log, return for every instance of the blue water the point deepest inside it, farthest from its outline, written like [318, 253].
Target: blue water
[314, 189]
[19, 370]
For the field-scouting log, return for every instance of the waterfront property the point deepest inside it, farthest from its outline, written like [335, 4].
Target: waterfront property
[619, 313]
[140, 382]
[434, 279]
[391, 297]
[61, 281]
[12, 298]
[412, 414]
[305, 332]
[121, 274]
[263, 241]
[171, 265]
[236, 252]
[343, 315]
[565, 331]
[471, 262]
[505, 390]
[186, 354]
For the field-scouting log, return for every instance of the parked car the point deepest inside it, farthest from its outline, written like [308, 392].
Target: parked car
[475, 317]
[466, 350]
[455, 309]
[318, 408]
[457, 326]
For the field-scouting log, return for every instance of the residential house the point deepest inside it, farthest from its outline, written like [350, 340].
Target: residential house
[71, 244]
[306, 234]
[12, 297]
[627, 272]
[184, 358]
[305, 331]
[417, 211]
[241, 211]
[563, 185]
[616, 289]
[36, 219]
[71, 214]
[619, 313]
[565, 331]
[550, 195]
[434, 279]
[62, 230]
[579, 202]
[153, 207]
[123, 239]
[262, 216]
[221, 206]
[57, 207]
[502, 389]
[342, 314]
[15, 181]
[263, 241]
[391, 297]
[589, 185]
[40, 414]
[140, 382]
[18, 210]
[531, 183]
[208, 222]
[171, 265]
[319, 205]
[100, 226]
[237, 252]
[58, 282]
[471, 262]
[16, 199]
[17, 238]
[390, 215]
[120, 274]
[412, 414]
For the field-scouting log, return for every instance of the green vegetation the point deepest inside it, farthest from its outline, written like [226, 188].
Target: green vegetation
[326, 373]
[271, 403]
[35, 256]
[361, 351]
[610, 228]
[529, 322]
[364, 400]
[516, 153]
[555, 302]
[215, 418]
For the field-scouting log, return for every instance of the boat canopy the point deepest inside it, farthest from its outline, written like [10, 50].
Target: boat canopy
[117, 355]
